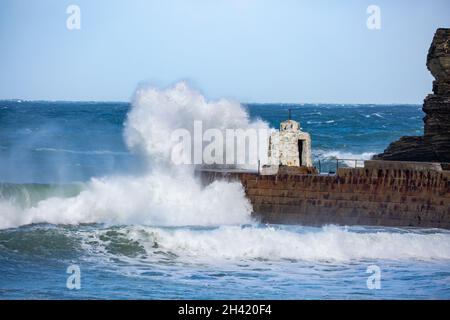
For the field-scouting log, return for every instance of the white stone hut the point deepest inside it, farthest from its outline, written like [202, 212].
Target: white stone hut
[289, 146]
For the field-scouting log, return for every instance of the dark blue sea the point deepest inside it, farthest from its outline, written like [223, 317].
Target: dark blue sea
[76, 190]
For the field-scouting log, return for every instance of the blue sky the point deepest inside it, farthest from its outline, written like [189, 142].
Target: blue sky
[249, 50]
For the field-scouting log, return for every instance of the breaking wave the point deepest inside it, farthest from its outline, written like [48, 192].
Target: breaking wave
[233, 243]
[271, 243]
[162, 195]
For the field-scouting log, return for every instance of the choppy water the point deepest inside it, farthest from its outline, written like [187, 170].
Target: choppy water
[234, 262]
[160, 235]
[74, 141]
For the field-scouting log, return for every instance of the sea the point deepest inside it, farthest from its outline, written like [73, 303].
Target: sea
[91, 209]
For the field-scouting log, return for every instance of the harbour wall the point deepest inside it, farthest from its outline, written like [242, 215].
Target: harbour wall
[380, 194]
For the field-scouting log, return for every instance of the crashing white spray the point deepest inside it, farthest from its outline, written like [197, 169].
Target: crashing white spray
[165, 194]
[157, 114]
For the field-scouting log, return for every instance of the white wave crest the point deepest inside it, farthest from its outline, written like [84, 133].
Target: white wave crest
[329, 243]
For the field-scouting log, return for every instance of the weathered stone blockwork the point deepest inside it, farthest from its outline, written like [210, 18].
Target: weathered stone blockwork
[379, 197]
[284, 146]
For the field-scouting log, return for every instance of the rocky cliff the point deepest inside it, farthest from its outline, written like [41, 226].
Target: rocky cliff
[434, 145]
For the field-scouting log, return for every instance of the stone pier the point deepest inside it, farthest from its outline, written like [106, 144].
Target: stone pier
[383, 193]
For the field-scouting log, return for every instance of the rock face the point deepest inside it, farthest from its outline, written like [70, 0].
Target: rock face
[434, 145]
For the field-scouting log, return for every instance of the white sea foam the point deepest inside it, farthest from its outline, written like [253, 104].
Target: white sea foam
[329, 243]
[375, 114]
[154, 199]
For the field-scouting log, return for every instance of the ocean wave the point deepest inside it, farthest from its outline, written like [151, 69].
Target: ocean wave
[42, 241]
[153, 199]
[29, 194]
[271, 243]
[144, 244]
[375, 114]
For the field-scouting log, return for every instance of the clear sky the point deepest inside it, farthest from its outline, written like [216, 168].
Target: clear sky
[250, 50]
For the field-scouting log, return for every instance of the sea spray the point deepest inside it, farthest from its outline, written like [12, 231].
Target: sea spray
[164, 194]
[157, 198]
[157, 114]
[10, 215]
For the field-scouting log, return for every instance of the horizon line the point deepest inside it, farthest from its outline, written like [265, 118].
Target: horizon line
[243, 103]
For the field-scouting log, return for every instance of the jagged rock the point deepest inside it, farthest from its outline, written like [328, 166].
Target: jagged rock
[408, 149]
[441, 88]
[438, 59]
[434, 145]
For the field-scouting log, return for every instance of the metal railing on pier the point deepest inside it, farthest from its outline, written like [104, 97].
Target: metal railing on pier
[331, 166]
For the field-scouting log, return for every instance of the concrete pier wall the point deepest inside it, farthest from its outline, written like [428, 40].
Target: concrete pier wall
[379, 196]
